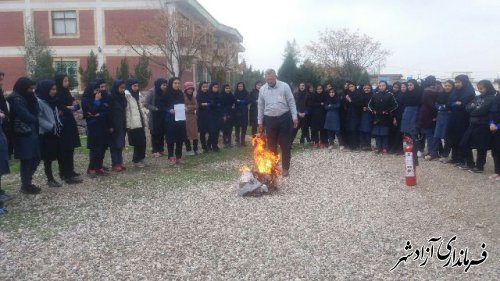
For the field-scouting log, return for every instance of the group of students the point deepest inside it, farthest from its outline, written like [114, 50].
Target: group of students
[38, 121]
[447, 118]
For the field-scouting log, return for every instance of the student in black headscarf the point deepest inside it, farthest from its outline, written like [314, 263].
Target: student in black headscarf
[95, 110]
[478, 135]
[354, 104]
[4, 141]
[70, 136]
[50, 129]
[136, 122]
[382, 105]
[154, 102]
[4, 107]
[176, 129]
[24, 117]
[494, 129]
[459, 118]
[396, 137]
[118, 119]
[204, 112]
[316, 103]
[253, 97]
[412, 100]
[217, 115]
[227, 101]
[443, 112]
[241, 97]
[366, 122]
[303, 114]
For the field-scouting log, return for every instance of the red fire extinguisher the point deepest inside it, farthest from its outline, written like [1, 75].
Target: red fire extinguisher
[410, 169]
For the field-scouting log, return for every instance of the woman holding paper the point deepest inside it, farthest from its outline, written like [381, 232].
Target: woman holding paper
[175, 120]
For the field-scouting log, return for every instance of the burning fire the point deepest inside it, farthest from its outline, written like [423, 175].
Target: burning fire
[265, 161]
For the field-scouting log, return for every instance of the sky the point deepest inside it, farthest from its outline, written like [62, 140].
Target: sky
[424, 37]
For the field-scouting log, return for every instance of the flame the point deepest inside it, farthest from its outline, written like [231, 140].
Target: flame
[265, 161]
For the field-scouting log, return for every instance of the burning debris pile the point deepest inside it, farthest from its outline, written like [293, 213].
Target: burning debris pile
[263, 178]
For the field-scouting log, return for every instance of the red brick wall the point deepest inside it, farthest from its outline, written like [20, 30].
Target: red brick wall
[13, 67]
[85, 27]
[131, 23]
[11, 29]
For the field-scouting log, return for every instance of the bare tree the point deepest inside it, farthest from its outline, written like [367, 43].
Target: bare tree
[169, 40]
[346, 53]
[220, 57]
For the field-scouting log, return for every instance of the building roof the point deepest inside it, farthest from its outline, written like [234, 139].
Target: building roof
[208, 17]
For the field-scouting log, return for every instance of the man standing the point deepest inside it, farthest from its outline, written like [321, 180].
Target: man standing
[276, 110]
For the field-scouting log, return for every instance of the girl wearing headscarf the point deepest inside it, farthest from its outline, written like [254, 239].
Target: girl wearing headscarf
[24, 116]
[136, 122]
[50, 127]
[4, 154]
[191, 120]
[459, 119]
[366, 123]
[253, 97]
[154, 101]
[176, 129]
[204, 100]
[426, 119]
[118, 117]
[382, 105]
[478, 135]
[303, 114]
[70, 136]
[332, 119]
[443, 112]
[396, 137]
[495, 140]
[217, 115]
[412, 100]
[227, 101]
[316, 103]
[95, 110]
[354, 105]
[240, 113]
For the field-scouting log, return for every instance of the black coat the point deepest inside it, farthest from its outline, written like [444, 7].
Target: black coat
[495, 118]
[301, 101]
[241, 108]
[354, 110]
[316, 103]
[253, 97]
[96, 115]
[70, 136]
[204, 112]
[383, 105]
[175, 130]
[478, 135]
[459, 117]
[6, 122]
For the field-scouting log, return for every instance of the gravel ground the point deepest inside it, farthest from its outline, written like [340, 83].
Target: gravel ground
[340, 215]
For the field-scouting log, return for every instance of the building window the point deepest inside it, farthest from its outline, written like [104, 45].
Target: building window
[64, 23]
[70, 68]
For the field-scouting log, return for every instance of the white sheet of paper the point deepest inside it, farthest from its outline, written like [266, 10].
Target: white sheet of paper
[180, 112]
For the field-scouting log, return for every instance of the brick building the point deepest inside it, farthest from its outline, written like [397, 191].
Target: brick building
[72, 28]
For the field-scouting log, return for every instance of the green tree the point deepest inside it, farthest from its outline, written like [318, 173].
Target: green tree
[44, 68]
[308, 72]
[122, 72]
[88, 74]
[37, 56]
[288, 70]
[103, 73]
[143, 72]
[249, 76]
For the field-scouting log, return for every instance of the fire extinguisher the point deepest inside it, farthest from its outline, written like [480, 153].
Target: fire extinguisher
[410, 169]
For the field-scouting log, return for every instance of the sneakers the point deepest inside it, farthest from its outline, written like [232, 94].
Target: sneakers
[419, 154]
[92, 173]
[322, 146]
[157, 155]
[139, 164]
[73, 180]
[430, 157]
[494, 177]
[179, 161]
[172, 160]
[190, 153]
[477, 170]
[443, 159]
[54, 184]
[30, 189]
[118, 168]
[330, 147]
[101, 172]
[285, 173]
[384, 151]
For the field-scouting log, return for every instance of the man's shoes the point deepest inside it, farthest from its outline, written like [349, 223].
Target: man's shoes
[54, 184]
[285, 173]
